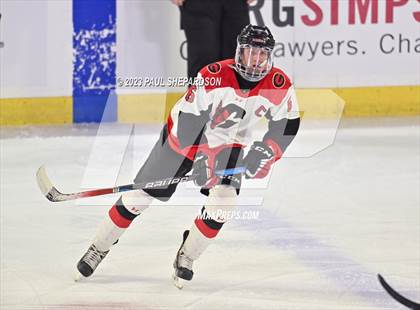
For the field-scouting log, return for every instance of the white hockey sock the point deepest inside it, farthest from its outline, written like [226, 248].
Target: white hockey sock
[119, 217]
[221, 200]
[196, 243]
[108, 233]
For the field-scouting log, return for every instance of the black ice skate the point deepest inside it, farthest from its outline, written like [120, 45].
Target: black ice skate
[88, 263]
[182, 265]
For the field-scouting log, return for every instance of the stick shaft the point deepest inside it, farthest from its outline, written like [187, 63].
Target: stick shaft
[54, 195]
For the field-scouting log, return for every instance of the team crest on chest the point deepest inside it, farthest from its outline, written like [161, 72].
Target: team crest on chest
[226, 117]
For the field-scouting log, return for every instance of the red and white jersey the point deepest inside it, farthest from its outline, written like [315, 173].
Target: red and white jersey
[232, 112]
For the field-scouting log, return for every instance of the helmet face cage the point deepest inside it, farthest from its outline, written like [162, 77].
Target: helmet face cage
[253, 63]
[253, 59]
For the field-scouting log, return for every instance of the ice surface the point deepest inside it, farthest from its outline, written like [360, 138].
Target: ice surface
[327, 225]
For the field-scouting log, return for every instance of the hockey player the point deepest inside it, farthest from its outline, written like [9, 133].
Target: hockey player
[207, 131]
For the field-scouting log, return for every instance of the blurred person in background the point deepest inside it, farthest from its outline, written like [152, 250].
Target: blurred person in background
[211, 28]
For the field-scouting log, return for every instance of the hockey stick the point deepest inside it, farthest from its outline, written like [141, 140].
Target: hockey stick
[398, 297]
[54, 195]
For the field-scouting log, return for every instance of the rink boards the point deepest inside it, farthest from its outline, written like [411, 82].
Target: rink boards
[154, 107]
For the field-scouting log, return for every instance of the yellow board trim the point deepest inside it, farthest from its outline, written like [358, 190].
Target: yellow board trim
[36, 111]
[318, 103]
[146, 108]
[381, 101]
[154, 108]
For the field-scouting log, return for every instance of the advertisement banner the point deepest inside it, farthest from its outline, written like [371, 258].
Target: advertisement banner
[336, 43]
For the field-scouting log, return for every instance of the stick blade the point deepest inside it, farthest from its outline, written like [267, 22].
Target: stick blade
[44, 182]
[46, 187]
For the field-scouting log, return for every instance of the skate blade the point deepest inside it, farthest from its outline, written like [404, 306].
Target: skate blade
[78, 277]
[178, 282]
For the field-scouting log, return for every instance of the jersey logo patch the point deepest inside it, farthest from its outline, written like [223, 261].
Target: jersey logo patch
[226, 117]
[190, 95]
[278, 80]
[214, 68]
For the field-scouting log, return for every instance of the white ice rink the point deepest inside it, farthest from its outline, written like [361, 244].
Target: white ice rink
[327, 225]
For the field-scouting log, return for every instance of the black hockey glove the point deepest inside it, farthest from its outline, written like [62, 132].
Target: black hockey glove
[204, 169]
[258, 161]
